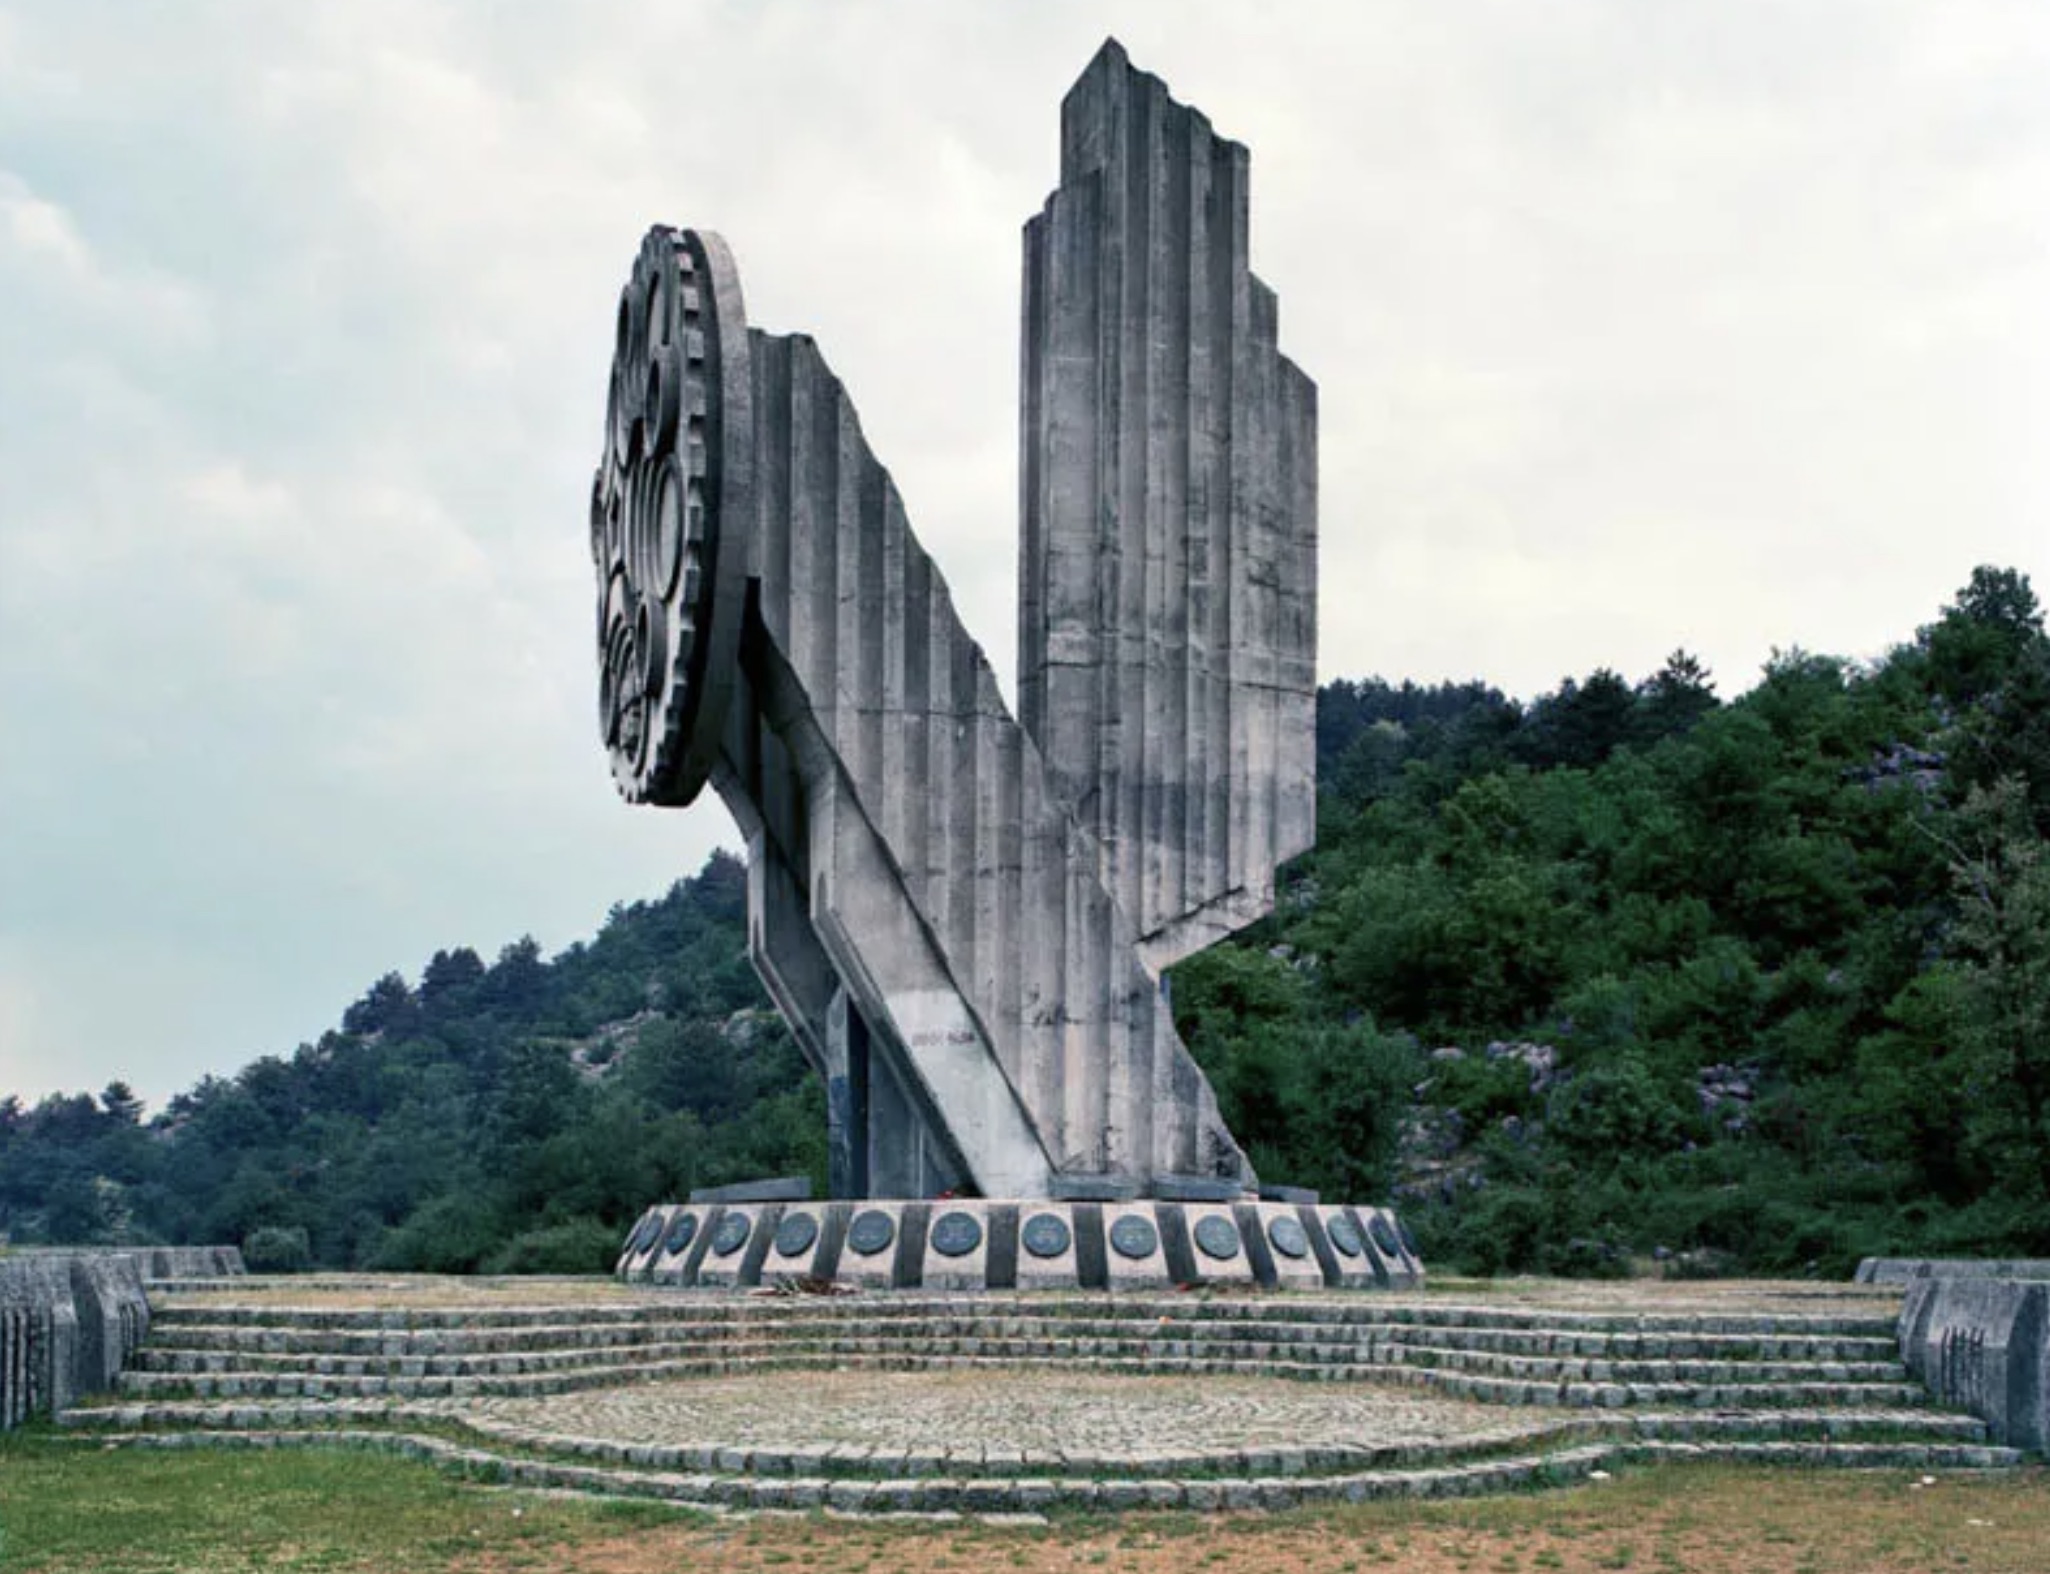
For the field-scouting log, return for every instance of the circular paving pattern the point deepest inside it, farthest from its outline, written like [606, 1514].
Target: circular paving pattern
[1054, 1413]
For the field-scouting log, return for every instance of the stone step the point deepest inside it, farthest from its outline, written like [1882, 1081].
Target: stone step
[1653, 1347]
[884, 1356]
[1358, 1312]
[1599, 1369]
[553, 1337]
[1676, 1426]
[1027, 1494]
[432, 1356]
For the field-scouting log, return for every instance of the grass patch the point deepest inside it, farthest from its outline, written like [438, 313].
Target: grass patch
[68, 1508]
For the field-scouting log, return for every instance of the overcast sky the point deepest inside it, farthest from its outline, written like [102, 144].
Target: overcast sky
[1637, 326]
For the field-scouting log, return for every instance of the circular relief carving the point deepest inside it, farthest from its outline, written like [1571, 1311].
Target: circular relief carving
[1408, 1240]
[683, 1229]
[1046, 1235]
[1289, 1237]
[956, 1234]
[796, 1234]
[1384, 1235]
[644, 1233]
[1344, 1234]
[1217, 1236]
[1135, 1237]
[671, 505]
[732, 1234]
[871, 1232]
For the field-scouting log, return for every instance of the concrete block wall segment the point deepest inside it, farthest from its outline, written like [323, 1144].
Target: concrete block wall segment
[1216, 1246]
[1134, 1255]
[868, 1256]
[1358, 1267]
[956, 1246]
[1391, 1242]
[1983, 1343]
[1288, 1243]
[1046, 1248]
[1029, 1245]
[680, 1245]
[795, 1245]
[1903, 1270]
[731, 1239]
[68, 1324]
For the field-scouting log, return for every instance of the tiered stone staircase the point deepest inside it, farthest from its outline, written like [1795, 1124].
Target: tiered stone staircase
[1585, 1389]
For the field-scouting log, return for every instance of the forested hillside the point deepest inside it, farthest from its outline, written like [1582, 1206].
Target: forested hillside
[1622, 973]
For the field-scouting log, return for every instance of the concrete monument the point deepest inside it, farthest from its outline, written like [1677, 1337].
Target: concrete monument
[964, 914]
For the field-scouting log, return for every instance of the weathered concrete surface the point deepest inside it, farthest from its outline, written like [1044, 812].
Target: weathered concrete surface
[964, 936]
[1984, 1343]
[1167, 618]
[1905, 1270]
[68, 1324]
[157, 1262]
[908, 1245]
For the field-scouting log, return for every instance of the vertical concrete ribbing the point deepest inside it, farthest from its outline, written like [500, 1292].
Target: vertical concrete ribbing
[887, 699]
[914, 852]
[1174, 759]
[940, 751]
[1297, 829]
[964, 814]
[1006, 1017]
[1032, 339]
[1227, 326]
[1129, 559]
[877, 500]
[821, 489]
[1200, 425]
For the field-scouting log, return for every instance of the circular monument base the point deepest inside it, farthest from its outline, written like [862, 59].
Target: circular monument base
[949, 1244]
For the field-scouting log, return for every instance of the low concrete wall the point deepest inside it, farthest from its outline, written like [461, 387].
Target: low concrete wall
[154, 1262]
[1983, 1342]
[68, 1323]
[1905, 1270]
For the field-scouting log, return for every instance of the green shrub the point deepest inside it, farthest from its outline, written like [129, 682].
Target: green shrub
[277, 1249]
[580, 1246]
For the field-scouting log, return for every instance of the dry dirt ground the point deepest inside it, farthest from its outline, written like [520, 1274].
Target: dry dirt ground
[1687, 1519]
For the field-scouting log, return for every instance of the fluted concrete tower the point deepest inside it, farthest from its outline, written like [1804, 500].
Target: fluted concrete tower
[1167, 619]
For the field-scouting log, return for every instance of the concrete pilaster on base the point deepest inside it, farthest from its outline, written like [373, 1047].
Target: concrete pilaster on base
[957, 1254]
[1217, 1247]
[970, 1244]
[875, 1232]
[1392, 1245]
[807, 1242]
[1356, 1267]
[1046, 1247]
[739, 1238]
[1133, 1257]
